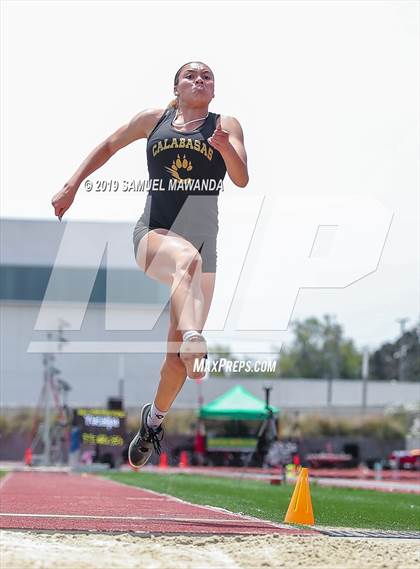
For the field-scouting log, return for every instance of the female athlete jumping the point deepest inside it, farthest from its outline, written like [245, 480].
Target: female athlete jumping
[189, 150]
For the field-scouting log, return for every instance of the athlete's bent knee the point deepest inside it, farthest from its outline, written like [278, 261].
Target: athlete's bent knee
[186, 255]
[188, 265]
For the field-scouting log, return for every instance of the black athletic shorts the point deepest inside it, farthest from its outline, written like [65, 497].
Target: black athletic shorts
[205, 244]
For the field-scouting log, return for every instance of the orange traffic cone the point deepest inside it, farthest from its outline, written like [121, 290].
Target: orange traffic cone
[183, 459]
[163, 462]
[300, 507]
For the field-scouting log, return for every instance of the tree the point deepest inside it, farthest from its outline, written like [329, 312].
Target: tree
[219, 351]
[384, 363]
[319, 350]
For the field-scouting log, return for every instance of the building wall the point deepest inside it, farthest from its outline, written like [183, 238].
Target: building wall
[88, 272]
[82, 274]
[92, 376]
[309, 394]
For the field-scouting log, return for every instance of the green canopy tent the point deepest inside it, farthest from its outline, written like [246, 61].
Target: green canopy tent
[237, 403]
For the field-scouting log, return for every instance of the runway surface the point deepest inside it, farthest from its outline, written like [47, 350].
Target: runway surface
[82, 502]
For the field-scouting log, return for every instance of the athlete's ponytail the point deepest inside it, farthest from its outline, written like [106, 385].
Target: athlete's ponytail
[173, 103]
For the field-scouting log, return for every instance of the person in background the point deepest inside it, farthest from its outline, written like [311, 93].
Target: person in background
[75, 443]
[200, 443]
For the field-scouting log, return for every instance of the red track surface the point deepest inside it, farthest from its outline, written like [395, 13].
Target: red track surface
[72, 502]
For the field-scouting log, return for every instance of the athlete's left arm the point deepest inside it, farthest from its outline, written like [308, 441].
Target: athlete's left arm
[228, 139]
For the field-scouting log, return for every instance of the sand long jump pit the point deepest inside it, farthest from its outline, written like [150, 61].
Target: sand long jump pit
[27, 550]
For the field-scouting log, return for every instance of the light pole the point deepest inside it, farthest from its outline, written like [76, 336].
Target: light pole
[46, 427]
[121, 376]
[365, 377]
[50, 392]
[403, 349]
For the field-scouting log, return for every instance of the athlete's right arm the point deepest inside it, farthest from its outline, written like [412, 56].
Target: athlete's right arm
[138, 127]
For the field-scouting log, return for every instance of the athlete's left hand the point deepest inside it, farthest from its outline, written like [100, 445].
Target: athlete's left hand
[219, 139]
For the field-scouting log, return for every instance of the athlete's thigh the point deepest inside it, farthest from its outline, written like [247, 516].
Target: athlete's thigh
[159, 252]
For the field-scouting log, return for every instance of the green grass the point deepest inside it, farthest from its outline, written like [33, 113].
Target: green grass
[344, 507]
[3, 473]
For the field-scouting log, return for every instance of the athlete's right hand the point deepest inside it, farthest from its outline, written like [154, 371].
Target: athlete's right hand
[63, 199]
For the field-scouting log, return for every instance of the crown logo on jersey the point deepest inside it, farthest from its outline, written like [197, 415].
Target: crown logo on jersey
[178, 166]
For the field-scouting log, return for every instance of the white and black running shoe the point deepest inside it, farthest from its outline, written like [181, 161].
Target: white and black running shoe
[145, 442]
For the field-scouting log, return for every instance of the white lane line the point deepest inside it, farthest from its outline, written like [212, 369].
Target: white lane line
[148, 499]
[379, 485]
[140, 518]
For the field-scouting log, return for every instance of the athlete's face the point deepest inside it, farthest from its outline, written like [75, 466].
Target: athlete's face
[195, 84]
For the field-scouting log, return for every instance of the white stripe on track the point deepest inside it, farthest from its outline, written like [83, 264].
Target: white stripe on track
[144, 518]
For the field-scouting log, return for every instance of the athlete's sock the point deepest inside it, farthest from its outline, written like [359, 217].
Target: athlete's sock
[155, 417]
[189, 334]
